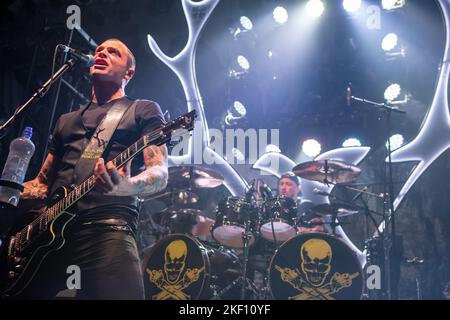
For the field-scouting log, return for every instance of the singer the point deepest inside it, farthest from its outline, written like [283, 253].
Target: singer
[101, 241]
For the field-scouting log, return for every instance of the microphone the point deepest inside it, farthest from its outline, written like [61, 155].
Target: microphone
[359, 194]
[349, 94]
[87, 59]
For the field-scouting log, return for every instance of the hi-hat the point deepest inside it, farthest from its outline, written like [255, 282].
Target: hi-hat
[327, 171]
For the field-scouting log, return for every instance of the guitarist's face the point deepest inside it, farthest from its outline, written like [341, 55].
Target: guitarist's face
[113, 63]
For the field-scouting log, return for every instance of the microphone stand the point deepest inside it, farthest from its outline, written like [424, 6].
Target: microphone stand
[390, 242]
[38, 94]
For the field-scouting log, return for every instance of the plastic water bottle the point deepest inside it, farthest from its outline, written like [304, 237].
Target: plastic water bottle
[20, 152]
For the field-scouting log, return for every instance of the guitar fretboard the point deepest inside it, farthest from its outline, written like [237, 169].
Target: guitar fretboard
[40, 224]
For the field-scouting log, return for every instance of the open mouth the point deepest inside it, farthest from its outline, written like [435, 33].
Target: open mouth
[100, 62]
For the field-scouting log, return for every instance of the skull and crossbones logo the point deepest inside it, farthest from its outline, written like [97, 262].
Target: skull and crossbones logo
[316, 256]
[172, 281]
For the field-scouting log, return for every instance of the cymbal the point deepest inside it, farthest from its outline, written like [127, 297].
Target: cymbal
[327, 171]
[183, 177]
[338, 209]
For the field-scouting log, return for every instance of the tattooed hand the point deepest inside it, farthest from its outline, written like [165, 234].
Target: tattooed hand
[34, 190]
[117, 182]
[38, 187]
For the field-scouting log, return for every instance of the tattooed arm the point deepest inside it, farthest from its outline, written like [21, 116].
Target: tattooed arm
[38, 187]
[118, 183]
[154, 178]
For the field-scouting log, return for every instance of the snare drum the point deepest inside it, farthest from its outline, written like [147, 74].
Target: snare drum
[234, 214]
[279, 216]
[315, 266]
[179, 267]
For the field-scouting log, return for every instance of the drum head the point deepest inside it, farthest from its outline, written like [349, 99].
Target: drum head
[315, 266]
[175, 268]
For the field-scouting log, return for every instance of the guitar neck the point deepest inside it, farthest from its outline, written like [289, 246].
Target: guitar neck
[86, 186]
[157, 137]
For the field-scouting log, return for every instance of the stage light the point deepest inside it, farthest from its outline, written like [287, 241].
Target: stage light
[243, 62]
[389, 42]
[246, 23]
[237, 112]
[240, 108]
[352, 142]
[311, 148]
[392, 4]
[392, 92]
[397, 140]
[351, 5]
[272, 148]
[280, 15]
[245, 26]
[315, 8]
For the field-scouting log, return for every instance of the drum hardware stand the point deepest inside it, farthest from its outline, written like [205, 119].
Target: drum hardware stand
[245, 241]
[327, 170]
[273, 232]
[335, 223]
[390, 241]
[243, 280]
[417, 263]
[267, 197]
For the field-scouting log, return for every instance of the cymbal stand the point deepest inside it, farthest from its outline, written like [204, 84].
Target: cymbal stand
[245, 241]
[327, 169]
[334, 223]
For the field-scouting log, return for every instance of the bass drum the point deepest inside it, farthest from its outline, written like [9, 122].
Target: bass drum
[315, 266]
[179, 267]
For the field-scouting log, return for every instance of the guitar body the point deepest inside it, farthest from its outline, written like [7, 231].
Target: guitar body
[18, 267]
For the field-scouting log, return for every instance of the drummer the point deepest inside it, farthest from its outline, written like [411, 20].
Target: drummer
[289, 186]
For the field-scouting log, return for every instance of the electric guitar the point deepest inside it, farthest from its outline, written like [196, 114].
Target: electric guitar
[24, 250]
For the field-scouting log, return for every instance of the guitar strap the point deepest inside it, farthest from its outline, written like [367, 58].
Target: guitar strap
[100, 140]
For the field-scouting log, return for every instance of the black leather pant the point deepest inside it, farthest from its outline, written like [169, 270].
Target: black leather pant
[108, 261]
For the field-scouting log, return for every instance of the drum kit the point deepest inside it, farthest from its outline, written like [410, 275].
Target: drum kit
[197, 256]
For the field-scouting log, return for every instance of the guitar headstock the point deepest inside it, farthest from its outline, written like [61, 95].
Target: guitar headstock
[178, 127]
[185, 121]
